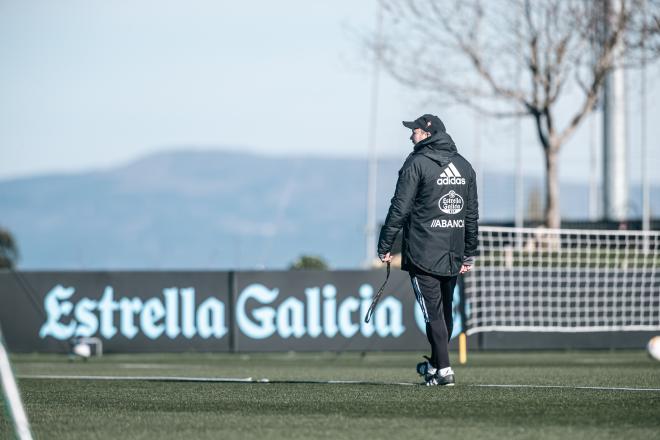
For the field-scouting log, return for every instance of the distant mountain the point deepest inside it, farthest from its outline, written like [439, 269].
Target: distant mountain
[219, 210]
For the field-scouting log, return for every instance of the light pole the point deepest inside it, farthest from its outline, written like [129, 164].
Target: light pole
[370, 228]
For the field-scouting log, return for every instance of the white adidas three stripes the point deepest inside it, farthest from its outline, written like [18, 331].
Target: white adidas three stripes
[450, 171]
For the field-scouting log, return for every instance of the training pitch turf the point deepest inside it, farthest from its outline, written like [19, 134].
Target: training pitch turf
[550, 407]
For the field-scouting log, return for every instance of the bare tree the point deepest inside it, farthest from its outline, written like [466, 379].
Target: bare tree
[519, 58]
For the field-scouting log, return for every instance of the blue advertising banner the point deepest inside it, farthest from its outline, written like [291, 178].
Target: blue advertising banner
[316, 310]
[128, 311]
[211, 311]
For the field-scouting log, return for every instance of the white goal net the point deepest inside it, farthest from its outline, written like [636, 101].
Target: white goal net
[545, 280]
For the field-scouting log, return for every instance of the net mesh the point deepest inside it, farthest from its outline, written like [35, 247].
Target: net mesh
[564, 281]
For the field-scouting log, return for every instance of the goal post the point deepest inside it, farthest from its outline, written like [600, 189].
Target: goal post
[11, 395]
[564, 280]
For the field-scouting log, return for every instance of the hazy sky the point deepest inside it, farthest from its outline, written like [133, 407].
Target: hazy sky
[90, 84]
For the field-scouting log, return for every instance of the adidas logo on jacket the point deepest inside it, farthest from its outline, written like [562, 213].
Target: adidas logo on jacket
[451, 176]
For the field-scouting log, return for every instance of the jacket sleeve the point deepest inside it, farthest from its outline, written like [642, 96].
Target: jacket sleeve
[471, 218]
[400, 206]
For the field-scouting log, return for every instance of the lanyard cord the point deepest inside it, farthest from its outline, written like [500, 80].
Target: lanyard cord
[374, 302]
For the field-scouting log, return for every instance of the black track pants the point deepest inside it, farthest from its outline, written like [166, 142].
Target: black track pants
[434, 295]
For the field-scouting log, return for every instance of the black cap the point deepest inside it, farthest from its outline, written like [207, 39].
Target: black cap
[430, 123]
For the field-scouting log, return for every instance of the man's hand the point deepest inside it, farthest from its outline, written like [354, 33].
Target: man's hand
[385, 258]
[466, 268]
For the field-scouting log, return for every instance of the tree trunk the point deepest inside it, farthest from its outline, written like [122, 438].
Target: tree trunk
[552, 214]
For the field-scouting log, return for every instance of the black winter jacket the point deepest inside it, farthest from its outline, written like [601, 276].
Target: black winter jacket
[435, 203]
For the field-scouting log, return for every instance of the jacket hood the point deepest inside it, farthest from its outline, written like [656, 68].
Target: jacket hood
[439, 147]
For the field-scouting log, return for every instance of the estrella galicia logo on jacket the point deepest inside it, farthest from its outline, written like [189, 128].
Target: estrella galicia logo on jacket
[450, 176]
[451, 203]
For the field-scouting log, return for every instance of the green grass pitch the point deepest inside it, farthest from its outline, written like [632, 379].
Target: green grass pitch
[135, 409]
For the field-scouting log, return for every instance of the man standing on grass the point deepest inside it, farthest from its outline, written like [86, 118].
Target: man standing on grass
[435, 203]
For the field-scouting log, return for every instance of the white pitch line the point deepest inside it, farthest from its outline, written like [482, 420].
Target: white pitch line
[9, 389]
[328, 382]
[206, 379]
[362, 382]
[142, 378]
[573, 387]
